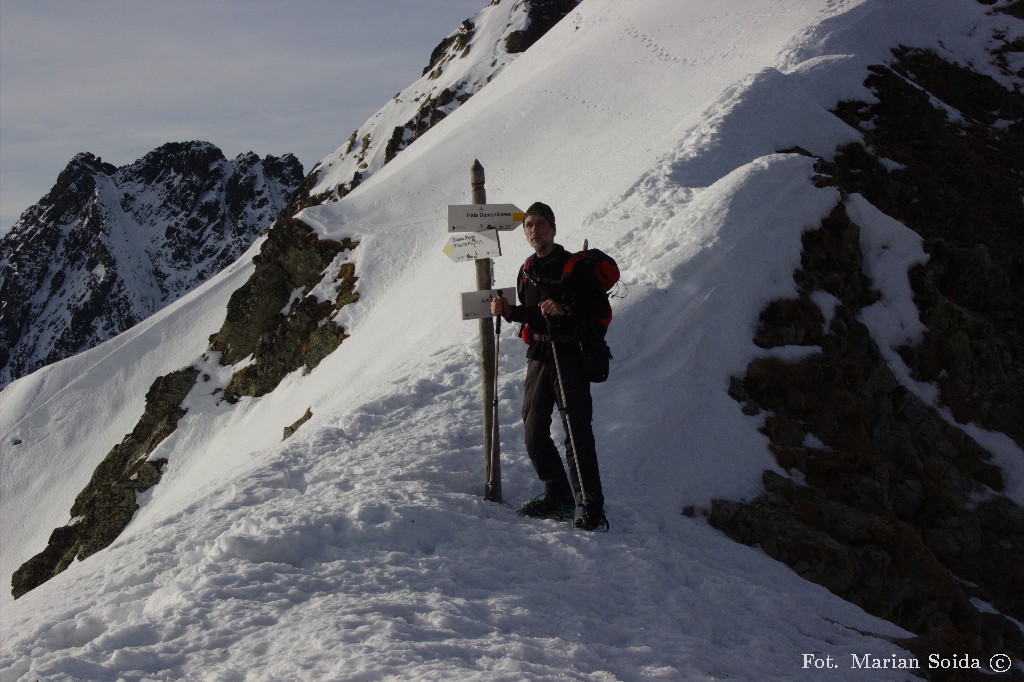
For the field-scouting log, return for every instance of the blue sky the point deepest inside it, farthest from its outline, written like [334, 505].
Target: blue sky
[118, 78]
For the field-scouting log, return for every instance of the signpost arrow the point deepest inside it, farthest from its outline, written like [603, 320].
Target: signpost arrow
[472, 245]
[480, 217]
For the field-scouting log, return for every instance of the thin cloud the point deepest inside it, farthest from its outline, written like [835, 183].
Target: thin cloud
[119, 78]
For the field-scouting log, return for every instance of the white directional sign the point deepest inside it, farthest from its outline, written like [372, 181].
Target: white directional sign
[481, 217]
[476, 305]
[471, 246]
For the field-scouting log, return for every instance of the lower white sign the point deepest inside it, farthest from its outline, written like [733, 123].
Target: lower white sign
[476, 305]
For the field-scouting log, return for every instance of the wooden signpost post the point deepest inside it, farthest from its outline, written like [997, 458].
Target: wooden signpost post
[471, 226]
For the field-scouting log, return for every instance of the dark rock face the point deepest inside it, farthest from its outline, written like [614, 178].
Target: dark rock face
[960, 189]
[543, 15]
[886, 513]
[107, 504]
[453, 47]
[888, 504]
[107, 247]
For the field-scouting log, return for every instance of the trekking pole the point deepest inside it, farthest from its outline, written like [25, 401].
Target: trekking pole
[564, 409]
[493, 488]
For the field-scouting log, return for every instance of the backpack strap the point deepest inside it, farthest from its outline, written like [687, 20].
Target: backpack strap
[524, 273]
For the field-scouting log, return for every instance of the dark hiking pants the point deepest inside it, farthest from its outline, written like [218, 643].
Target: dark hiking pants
[540, 397]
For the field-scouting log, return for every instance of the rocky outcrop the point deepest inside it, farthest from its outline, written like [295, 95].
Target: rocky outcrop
[107, 504]
[432, 110]
[289, 431]
[455, 46]
[274, 319]
[959, 187]
[887, 504]
[885, 501]
[107, 247]
[541, 16]
[434, 107]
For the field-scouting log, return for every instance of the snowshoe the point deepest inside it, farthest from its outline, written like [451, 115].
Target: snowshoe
[591, 520]
[541, 508]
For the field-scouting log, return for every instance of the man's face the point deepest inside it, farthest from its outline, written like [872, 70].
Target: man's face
[539, 234]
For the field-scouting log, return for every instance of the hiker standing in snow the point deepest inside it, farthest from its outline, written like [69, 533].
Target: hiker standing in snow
[554, 310]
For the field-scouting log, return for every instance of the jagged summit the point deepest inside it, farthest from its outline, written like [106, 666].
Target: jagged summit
[107, 246]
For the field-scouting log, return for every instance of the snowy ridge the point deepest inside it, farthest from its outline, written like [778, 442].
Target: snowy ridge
[462, 64]
[361, 547]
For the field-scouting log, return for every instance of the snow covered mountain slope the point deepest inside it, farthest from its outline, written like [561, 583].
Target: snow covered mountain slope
[107, 247]
[360, 548]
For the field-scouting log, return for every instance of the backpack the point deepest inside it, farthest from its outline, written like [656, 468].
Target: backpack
[605, 267]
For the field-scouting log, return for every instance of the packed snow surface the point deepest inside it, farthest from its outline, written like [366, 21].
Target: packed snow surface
[361, 548]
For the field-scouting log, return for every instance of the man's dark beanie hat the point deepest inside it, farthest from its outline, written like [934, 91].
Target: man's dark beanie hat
[543, 210]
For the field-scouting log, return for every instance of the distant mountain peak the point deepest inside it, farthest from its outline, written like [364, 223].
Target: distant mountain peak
[107, 246]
